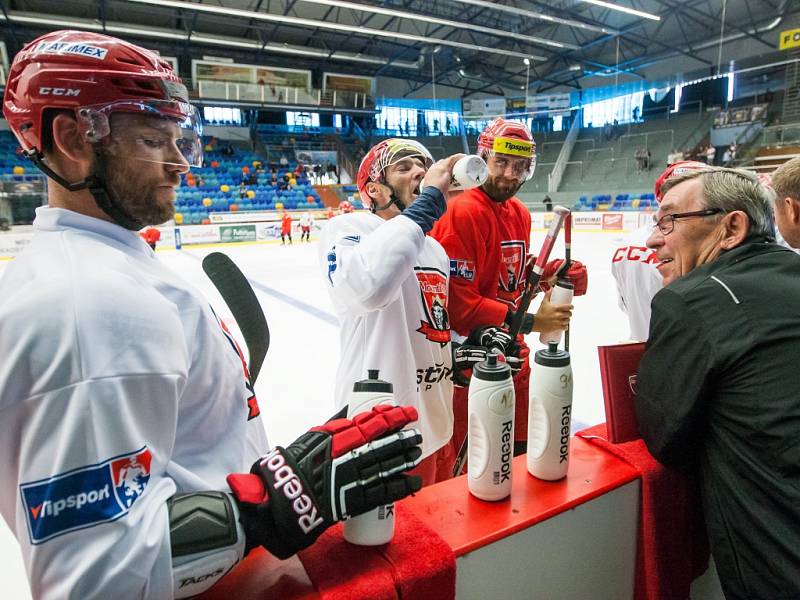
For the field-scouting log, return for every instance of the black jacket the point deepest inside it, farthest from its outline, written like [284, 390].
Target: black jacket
[719, 390]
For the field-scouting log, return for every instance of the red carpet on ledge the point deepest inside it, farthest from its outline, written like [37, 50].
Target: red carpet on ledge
[672, 542]
[416, 564]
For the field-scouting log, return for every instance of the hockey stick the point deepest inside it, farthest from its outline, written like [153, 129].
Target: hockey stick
[531, 289]
[240, 298]
[567, 262]
[532, 285]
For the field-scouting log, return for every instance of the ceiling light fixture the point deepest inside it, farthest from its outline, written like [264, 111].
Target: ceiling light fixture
[537, 15]
[288, 20]
[400, 14]
[91, 25]
[625, 9]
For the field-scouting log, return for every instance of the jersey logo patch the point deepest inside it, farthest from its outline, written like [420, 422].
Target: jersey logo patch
[331, 264]
[512, 271]
[635, 254]
[433, 293]
[86, 496]
[465, 269]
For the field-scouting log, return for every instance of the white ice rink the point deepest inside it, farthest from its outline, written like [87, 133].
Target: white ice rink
[295, 387]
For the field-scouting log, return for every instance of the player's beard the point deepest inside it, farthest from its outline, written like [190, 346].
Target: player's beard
[500, 189]
[141, 197]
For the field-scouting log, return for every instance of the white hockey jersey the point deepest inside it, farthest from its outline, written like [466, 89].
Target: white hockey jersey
[306, 220]
[388, 282]
[118, 388]
[634, 268]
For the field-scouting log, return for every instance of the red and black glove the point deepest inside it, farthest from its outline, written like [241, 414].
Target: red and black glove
[465, 357]
[499, 341]
[333, 472]
[576, 274]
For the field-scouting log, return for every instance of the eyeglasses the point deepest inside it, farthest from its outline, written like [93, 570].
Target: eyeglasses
[667, 223]
[519, 166]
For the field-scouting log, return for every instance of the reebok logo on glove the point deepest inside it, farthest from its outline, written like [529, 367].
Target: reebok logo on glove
[288, 481]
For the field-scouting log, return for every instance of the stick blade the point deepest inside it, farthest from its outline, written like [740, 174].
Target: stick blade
[240, 298]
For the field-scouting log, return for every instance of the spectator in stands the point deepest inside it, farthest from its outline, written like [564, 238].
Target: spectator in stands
[548, 203]
[242, 190]
[408, 129]
[726, 157]
[283, 160]
[635, 113]
[786, 184]
[734, 149]
[317, 173]
[647, 158]
[717, 387]
[711, 153]
[331, 171]
[640, 155]
[447, 126]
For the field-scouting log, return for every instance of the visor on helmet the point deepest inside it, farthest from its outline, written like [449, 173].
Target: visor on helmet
[519, 153]
[174, 127]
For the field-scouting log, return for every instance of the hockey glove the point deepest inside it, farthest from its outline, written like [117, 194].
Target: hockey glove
[465, 356]
[335, 471]
[576, 274]
[498, 340]
[491, 338]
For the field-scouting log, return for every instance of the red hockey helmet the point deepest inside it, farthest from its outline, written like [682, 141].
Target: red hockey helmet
[674, 170]
[94, 75]
[381, 156]
[503, 136]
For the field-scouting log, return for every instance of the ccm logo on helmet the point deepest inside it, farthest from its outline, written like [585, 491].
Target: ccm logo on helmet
[285, 478]
[51, 91]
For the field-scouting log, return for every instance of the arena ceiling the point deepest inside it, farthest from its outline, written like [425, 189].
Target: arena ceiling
[477, 46]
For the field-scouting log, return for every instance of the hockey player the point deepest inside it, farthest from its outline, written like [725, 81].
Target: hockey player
[151, 235]
[634, 265]
[486, 233]
[389, 284]
[127, 415]
[286, 228]
[306, 223]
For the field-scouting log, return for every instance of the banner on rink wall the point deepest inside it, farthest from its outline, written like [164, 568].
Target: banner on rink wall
[596, 221]
[612, 221]
[592, 221]
[237, 233]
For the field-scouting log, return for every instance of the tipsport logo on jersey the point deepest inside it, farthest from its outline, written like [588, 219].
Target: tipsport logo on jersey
[86, 496]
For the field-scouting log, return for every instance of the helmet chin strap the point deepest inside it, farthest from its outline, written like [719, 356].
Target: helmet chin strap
[96, 185]
[393, 199]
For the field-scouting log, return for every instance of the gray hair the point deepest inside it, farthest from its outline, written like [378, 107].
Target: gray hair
[733, 189]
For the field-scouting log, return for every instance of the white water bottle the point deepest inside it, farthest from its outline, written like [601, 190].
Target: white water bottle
[562, 294]
[549, 414]
[376, 526]
[469, 172]
[490, 442]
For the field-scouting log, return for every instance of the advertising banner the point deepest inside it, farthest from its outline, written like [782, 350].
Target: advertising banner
[544, 102]
[484, 107]
[237, 233]
[612, 221]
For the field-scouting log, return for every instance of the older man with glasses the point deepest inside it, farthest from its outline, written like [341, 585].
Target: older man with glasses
[718, 390]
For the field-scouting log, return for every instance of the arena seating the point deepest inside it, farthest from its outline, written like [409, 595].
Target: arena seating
[216, 187]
